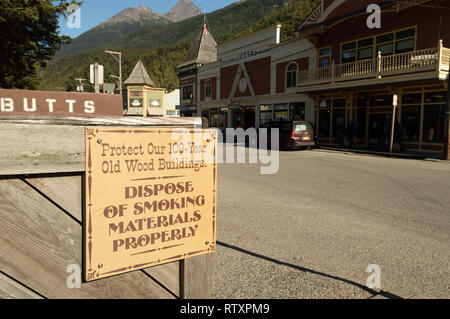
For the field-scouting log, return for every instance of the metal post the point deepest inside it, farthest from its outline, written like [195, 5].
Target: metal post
[120, 66]
[96, 79]
[395, 103]
[120, 73]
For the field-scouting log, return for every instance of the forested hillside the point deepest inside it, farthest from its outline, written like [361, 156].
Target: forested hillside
[162, 48]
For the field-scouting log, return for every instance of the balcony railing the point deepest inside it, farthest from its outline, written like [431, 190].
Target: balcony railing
[435, 59]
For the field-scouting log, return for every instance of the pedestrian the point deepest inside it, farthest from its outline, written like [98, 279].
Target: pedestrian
[398, 136]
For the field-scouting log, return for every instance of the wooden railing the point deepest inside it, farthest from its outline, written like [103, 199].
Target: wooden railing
[446, 57]
[380, 66]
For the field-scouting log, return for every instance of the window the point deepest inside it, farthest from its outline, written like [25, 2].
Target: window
[297, 111]
[361, 119]
[381, 100]
[411, 123]
[357, 51]
[208, 88]
[281, 112]
[324, 57]
[388, 44]
[324, 123]
[291, 75]
[434, 117]
[214, 117]
[404, 46]
[433, 109]
[348, 52]
[223, 117]
[188, 93]
[433, 123]
[339, 118]
[385, 44]
[303, 127]
[404, 40]
[266, 114]
[415, 98]
[365, 49]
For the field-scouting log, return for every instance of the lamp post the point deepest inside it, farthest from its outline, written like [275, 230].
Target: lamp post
[117, 77]
[119, 59]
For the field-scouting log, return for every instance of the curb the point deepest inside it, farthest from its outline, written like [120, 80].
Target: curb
[390, 155]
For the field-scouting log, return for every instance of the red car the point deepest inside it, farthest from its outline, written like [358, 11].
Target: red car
[293, 134]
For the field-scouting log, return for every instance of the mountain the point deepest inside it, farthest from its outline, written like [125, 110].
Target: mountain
[183, 10]
[163, 46]
[127, 21]
[136, 15]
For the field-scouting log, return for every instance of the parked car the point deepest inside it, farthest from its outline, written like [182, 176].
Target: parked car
[293, 134]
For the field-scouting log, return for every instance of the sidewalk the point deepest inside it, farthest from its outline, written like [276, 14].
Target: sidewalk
[402, 155]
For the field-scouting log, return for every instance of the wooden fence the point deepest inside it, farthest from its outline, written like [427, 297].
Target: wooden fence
[42, 163]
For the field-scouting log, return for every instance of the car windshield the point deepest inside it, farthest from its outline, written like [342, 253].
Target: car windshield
[303, 127]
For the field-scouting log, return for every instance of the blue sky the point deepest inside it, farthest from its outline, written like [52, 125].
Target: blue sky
[94, 12]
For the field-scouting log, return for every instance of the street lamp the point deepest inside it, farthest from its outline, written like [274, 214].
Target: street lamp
[120, 66]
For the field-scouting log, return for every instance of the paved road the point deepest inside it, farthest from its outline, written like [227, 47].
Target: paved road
[311, 230]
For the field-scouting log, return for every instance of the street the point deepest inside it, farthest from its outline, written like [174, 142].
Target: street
[312, 230]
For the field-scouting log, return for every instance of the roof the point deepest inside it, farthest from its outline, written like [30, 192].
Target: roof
[308, 27]
[139, 76]
[204, 50]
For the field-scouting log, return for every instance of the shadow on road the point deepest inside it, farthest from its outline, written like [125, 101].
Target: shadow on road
[374, 293]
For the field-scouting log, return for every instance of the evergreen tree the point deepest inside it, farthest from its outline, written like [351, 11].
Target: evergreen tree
[29, 38]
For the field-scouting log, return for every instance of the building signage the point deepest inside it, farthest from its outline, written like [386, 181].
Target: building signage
[150, 198]
[234, 105]
[244, 55]
[24, 102]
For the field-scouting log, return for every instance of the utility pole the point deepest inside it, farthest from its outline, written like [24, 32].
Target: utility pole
[119, 59]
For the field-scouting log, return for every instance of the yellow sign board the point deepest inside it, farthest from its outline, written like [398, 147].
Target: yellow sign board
[150, 197]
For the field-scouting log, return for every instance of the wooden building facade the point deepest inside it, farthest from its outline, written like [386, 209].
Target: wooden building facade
[359, 69]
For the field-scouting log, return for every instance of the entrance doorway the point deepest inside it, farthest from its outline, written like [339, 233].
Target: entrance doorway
[379, 129]
[244, 117]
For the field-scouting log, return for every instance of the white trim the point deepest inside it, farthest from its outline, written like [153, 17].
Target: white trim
[330, 9]
[237, 78]
[247, 77]
[286, 74]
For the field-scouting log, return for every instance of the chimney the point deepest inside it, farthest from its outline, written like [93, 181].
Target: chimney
[278, 34]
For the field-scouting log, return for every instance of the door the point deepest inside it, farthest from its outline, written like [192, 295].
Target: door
[249, 117]
[377, 123]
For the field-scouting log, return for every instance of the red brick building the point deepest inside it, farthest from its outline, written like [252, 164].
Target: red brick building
[253, 80]
[358, 70]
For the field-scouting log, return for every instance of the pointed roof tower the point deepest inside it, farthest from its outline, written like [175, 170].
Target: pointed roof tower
[204, 50]
[139, 76]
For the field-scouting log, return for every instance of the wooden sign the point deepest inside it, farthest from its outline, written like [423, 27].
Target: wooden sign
[150, 198]
[21, 102]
